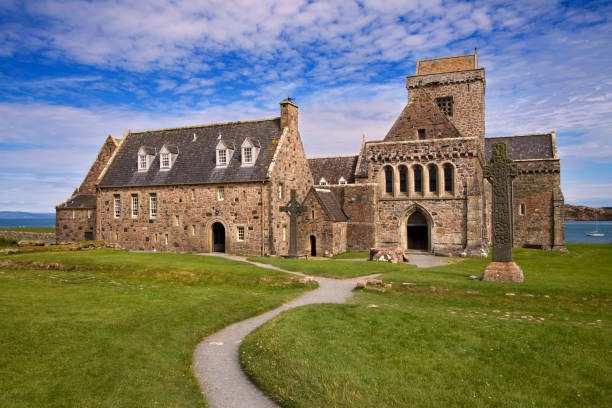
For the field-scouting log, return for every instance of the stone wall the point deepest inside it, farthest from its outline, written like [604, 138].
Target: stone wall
[37, 236]
[331, 237]
[288, 170]
[106, 152]
[534, 189]
[73, 225]
[185, 216]
[467, 89]
[358, 201]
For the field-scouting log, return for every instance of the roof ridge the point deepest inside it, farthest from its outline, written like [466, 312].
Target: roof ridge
[203, 126]
[334, 157]
[526, 134]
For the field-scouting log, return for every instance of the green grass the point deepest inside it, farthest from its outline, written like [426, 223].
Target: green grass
[419, 347]
[113, 328]
[331, 268]
[50, 230]
[7, 242]
[352, 255]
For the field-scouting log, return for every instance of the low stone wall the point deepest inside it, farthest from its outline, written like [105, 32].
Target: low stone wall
[39, 236]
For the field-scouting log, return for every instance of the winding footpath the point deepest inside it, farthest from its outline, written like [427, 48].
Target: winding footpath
[216, 358]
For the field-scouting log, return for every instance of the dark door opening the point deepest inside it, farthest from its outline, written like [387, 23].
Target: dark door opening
[313, 245]
[218, 232]
[417, 232]
[88, 235]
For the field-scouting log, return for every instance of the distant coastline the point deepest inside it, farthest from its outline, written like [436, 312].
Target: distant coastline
[584, 213]
[13, 219]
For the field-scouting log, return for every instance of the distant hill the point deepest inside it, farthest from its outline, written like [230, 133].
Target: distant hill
[22, 215]
[584, 213]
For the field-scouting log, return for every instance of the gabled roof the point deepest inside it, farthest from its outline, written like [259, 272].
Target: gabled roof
[196, 159]
[524, 147]
[170, 148]
[80, 201]
[421, 113]
[333, 168]
[330, 204]
[147, 150]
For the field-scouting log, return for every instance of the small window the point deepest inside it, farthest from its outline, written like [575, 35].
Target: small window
[312, 215]
[422, 134]
[322, 182]
[88, 214]
[222, 157]
[280, 191]
[166, 239]
[220, 193]
[142, 162]
[342, 180]
[240, 233]
[433, 178]
[73, 215]
[177, 220]
[192, 194]
[522, 209]
[446, 105]
[388, 180]
[117, 205]
[134, 206]
[403, 179]
[165, 160]
[247, 155]
[153, 206]
[156, 237]
[448, 178]
[193, 230]
[284, 233]
[418, 179]
[116, 237]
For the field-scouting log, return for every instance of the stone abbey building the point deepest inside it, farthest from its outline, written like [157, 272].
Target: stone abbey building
[221, 187]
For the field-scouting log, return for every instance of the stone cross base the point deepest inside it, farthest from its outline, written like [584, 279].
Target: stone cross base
[503, 272]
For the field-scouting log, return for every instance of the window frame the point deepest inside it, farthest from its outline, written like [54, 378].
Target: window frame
[143, 162]
[164, 160]
[433, 181]
[240, 233]
[116, 206]
[152, 205]
[134, 205]
[220, 193]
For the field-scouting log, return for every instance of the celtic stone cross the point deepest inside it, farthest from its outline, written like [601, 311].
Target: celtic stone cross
[500, 173]
[294, 209]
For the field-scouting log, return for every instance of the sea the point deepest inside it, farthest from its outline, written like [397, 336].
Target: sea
[27, 222]
[575, 231]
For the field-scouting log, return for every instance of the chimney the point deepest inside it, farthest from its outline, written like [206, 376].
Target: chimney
[288, 114]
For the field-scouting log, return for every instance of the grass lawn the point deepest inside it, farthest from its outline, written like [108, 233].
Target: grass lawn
[49, 230]
[352, 255]
[113, 328]
[464, 343]
[331, 268]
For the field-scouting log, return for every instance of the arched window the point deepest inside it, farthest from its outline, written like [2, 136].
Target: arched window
[403, 179]
[433, 178]
[418, 178]
[448, 178]
[388, 180]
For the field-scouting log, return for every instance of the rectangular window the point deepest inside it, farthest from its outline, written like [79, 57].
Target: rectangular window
[222, 157]
[240, 233]
[156, 237]
[284, 233]
[522, 209]
[153, 205]
[88, 214]
[134, 206]
[142, 162]
[177, 220]
[117, 205]
[165, 160]
[280, 191]
[192, 194]
[446, 105]
[73, 215]
[220, 193]
[193, 230]
[166, 239]
[248, 154]
[422, 134]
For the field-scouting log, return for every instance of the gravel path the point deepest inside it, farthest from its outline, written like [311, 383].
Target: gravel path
[216, 363]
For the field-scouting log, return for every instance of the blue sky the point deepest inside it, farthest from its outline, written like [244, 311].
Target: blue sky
[72, 72]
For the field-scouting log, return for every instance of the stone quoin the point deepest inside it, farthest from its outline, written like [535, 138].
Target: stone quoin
[420, 187]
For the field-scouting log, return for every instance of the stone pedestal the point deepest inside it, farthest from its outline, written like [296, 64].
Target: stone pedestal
[503, 272]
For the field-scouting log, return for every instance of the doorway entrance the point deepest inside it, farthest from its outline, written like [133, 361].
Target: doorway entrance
[218, 236]
[313, 245]
[417, 232]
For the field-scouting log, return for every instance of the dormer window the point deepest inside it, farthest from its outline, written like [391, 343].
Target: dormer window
[167, 156]
[342, 180]
[145, 158]
[250, 150]
[322, 182]
[224, 153]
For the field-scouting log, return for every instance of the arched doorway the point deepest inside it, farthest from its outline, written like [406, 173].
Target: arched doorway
[417, 231]
[218, 236]
[313, 245]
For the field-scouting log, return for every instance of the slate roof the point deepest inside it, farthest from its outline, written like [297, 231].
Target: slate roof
[332, 168]
[80, 201]
[196, 159]
[524, 147]
[330, 204]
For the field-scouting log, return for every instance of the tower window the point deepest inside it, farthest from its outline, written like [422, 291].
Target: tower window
[446, 105]
[403, 178]
[422, 134]
[418, 179]
[448, 178]
[522, 209]
[388, 180]
[433, 178]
